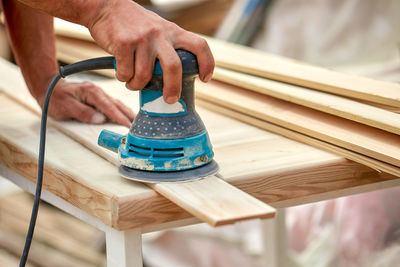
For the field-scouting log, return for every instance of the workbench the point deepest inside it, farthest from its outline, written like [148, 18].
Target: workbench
[274, 169]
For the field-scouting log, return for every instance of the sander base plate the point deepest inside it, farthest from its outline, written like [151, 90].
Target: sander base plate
[169, 176]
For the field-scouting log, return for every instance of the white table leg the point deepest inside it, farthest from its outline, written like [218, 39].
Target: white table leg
[124, 248]
[275, 245]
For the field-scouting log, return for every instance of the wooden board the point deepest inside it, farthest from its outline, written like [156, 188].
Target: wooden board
[329, 103]
[269, 167]
[222, 205]
[353, 136]
[255, 62]
[204, 204]
[367, 161]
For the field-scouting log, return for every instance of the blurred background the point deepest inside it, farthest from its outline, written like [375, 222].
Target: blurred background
[357, 36]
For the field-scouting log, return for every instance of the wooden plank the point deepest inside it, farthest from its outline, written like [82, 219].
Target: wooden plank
[271, 168]
[214, 201]
[329, 103]
[382, 106]
[197, 201]
[67, 51]
[188, 195]
[356, 137]
[367, 161]
[256, 62]
[78, 175]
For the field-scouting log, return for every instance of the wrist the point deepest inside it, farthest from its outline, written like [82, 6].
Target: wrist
[39, 88]
[99, 9]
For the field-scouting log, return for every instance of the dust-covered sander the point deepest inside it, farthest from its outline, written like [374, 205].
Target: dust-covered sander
[166, 142]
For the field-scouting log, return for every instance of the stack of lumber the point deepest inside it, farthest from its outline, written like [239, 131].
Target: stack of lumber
[353, 116]
[60, 239]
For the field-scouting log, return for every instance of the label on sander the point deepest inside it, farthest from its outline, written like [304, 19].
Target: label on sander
[152, 103]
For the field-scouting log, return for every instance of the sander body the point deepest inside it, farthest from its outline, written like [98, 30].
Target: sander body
[166, 142]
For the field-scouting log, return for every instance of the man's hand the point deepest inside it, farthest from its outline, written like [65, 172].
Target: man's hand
[88, 103]
[136, 37]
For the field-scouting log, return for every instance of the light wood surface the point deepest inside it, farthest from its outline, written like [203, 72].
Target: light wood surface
[367, 161]
[204, 204]
[256, 62]
[272, 168]
[356, 137]
[214, 201]
[222, 205]
[329, 103]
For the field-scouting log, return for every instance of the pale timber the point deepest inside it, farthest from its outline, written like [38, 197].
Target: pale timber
[370, 113]
[372, 142]
[236, 204]
[256, 62]
[267, 166]
[367, 161]
[329, 103]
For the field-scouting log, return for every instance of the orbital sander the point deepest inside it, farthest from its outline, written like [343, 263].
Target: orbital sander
[166, 142]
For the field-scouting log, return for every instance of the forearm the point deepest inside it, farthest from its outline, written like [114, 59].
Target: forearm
[77, 11]
[33, 43]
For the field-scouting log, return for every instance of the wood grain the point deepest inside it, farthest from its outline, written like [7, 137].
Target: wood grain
[189, 195]
[255, 62]
[214, 201]
[356, 137]
[367, 161]
[329, 103]
[272, 168]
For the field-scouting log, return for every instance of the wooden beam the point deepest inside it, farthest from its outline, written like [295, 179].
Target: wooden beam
[353, 136]
[256, 62]
[189, 195]
[274, 67]
[329, 103]
[367, 161]
[214, 201]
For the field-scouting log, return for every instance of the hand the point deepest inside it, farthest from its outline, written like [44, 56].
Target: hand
[136, 37]
[88, 103]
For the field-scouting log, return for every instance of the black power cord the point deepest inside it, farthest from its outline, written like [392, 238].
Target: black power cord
[86, 65]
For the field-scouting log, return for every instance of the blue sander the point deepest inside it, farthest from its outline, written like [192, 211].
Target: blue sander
[166, 142]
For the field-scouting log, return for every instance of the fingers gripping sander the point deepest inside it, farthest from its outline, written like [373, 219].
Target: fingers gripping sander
[166, 142]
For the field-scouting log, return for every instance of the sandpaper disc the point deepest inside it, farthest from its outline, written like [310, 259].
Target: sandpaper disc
[169, 176]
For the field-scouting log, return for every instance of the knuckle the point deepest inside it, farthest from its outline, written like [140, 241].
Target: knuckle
[143, 75]
[201, 43]
[174, 65]
[123, 40]
[90, 89]
[84, 116]
[155, 31]
[171, 26]
[129, 85]
[123, 75]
